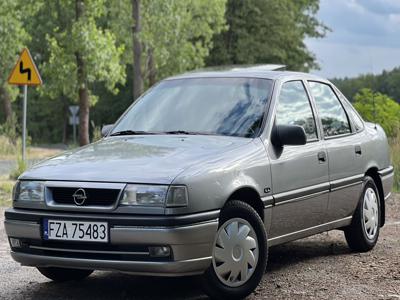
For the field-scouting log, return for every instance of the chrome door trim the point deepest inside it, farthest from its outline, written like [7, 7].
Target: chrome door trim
[301, 194]
[316, 190]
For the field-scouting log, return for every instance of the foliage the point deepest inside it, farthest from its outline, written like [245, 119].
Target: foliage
[379, 108]
[13, 35]
[6, 146]
[268, 31]
[20, 168]
[179, 33]
[9, 129]
[66, 37]
[386, 83]
[6, 187]
[96, 132]
[395, 154]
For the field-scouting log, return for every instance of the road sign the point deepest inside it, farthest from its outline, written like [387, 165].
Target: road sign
[73, 109]
[25, 71]
[74, 119]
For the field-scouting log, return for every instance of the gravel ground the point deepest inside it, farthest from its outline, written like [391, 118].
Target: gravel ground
[319, 267]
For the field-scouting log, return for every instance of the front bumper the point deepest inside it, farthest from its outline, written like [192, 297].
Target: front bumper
[190, 238]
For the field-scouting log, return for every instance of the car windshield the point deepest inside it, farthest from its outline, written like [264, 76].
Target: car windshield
[220, 106]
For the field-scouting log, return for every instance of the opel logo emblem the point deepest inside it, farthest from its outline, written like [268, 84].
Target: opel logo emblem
[79, 197]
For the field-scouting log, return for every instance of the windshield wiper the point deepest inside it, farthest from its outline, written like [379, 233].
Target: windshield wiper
[186, 132]
[131, 132]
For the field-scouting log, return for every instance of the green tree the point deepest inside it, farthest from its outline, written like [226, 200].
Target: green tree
[379, 108]
[79, 54]
[13, 39]
[268, 31]
[172, 37]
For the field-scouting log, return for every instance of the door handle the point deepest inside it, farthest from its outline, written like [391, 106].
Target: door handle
[322, 156]
[358, 150]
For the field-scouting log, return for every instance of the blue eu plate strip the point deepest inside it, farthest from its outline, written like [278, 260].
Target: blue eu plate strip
[45, 229]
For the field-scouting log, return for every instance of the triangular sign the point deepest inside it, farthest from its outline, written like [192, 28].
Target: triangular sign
[25, 71]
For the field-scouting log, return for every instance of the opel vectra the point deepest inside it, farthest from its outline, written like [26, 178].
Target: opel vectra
[200, 176]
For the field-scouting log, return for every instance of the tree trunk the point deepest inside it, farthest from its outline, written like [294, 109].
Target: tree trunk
[137, 50]
[66, 120]
[152, 68]
[82, 87]
[6, 100]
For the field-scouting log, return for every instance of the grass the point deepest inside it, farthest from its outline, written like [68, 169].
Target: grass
[6, 186]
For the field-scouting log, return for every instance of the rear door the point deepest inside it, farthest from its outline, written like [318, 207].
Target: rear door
[300, 180]
[345, 151]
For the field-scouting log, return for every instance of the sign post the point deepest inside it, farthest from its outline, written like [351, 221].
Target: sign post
[74, 120]
[25, 73]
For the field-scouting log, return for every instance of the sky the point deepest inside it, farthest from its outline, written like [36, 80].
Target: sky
[365, 37]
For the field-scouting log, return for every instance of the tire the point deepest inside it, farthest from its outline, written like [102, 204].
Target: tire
[64, 274]
[241, 255]
[360, 236]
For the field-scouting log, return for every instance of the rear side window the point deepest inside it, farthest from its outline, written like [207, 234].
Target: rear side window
[357, 121]
[294, 108]
[333, 116]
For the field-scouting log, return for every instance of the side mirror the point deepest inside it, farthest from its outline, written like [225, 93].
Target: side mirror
[105, 130]
[288, 135]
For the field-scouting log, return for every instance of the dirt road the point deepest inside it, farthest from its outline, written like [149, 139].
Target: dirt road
[320, 267]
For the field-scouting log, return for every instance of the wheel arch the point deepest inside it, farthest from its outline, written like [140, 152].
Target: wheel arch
[373, 173]
[250, 196]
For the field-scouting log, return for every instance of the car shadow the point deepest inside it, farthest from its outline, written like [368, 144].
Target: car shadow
[302, 251]
[111, 285]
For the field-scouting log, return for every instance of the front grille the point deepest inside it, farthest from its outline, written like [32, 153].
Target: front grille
[94, 197]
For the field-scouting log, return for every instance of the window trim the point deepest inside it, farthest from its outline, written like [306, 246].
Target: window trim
[327, 137]
[313, 111]
[342, 98]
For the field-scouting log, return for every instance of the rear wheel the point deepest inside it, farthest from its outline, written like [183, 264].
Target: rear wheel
[239, 254]
[363, 233]
[64, 274]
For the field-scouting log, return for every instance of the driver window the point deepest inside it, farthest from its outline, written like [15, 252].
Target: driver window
[294, 108]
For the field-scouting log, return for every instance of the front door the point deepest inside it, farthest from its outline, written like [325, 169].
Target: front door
[300, 180]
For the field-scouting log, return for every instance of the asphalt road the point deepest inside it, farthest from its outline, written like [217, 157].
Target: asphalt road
[319, 267]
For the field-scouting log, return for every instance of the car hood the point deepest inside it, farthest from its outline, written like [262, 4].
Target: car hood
[136, 159]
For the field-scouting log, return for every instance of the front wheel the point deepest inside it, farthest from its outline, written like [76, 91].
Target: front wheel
[363, 233]
[64, 274]
[239, 255]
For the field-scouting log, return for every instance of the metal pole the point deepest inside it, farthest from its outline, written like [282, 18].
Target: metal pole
[24, 123]
[74, 125]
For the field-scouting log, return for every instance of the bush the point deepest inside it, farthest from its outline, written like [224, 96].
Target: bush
[21, 168]
[395, 151]
[379, 108]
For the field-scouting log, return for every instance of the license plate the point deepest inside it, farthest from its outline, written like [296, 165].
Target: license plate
[75, 231]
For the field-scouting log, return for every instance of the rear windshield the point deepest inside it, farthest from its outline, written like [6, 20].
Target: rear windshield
[221, 106]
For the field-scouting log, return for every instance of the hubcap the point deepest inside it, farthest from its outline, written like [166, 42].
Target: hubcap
[235, 253]
[370, 213]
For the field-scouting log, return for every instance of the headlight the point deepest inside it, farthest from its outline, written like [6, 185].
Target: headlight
[148, 195]
[154, 195]
[29, 191]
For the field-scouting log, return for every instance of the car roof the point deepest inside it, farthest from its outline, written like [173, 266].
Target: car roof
[272, 72]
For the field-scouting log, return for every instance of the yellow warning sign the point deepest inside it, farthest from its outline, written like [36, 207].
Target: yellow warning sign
[25, 71]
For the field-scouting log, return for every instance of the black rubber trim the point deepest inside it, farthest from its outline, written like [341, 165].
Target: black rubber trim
[112, 219]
